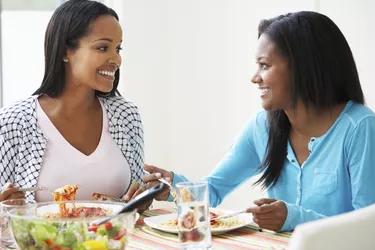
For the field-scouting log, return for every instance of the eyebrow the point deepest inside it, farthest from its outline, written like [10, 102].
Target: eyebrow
[105, 39]
[260, 57]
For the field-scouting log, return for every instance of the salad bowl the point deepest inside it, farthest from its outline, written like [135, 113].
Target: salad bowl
[45, 229]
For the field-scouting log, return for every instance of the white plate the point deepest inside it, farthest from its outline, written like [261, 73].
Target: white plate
[54, 208]
[157, 222]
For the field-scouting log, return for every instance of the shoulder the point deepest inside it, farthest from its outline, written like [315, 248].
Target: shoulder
[17, 112]
[256, 129]
[357, 126]
[120, 104]
[121, 111]
[358, 114]
[258, 124]
[260, 119]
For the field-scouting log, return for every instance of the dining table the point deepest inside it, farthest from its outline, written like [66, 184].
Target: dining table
[247, 237]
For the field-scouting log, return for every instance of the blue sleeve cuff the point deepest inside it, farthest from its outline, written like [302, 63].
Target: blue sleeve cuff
[170, 197]
[176, 179]
[291, 218]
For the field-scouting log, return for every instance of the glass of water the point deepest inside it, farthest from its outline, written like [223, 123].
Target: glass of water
[22, 206]
[194, 230]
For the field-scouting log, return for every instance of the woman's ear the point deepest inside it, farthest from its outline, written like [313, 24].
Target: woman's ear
[68, 55]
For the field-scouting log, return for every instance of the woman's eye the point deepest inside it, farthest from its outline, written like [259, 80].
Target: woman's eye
[118, 49]
[263, 65]
[104, 48]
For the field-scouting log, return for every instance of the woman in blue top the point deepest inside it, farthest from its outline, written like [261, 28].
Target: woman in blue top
[315, 142]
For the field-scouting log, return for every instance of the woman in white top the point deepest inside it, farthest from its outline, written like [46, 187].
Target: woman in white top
[76, 128]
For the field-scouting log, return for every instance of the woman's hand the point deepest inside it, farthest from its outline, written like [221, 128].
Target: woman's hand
[9, 191]
[151, 180]
[269, 213]
[134, 190]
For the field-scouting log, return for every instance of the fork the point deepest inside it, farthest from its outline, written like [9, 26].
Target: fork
[171, 188]
[161, 179]
[33, 189]
[104, 197]
[232, 214]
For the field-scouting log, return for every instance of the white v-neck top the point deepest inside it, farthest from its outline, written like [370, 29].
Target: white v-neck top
[104, 171]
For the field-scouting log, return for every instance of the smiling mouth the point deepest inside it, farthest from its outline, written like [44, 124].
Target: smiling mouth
[264, 91]
[106, 73]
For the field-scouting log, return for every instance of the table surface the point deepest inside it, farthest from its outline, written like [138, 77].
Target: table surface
[249, 237]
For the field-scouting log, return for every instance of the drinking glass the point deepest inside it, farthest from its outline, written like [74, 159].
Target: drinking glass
[194, 230]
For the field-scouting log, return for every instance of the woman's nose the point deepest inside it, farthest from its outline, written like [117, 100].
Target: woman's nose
[256, 79]
[115, 60]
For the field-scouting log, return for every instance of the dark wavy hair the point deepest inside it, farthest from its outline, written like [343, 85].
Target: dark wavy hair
[323, 72]
[69, 23]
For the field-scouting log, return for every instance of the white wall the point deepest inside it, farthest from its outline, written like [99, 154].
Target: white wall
[22, 52]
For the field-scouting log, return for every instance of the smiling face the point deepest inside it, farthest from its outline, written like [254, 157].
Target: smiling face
[94, 63]
[272, 76]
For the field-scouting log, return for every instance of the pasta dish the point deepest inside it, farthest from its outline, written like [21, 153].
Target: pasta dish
[186, 195]
[98, 196]
[65, 193]
[221, 223]
[68, 193]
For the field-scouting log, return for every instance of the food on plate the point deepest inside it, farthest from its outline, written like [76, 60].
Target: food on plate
[188, 223]
[171, 223]
[99, 196]
[68, 193]
[189, 220]
[174, 195]
[186, 195]
[79, 212]
[65, 193]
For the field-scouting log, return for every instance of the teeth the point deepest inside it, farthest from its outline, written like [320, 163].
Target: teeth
[264, 91]
[107, 73]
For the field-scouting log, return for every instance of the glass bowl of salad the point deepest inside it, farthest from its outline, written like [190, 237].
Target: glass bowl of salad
[71, 225]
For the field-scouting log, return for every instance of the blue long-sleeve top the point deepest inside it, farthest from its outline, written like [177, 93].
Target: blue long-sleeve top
[337, 177]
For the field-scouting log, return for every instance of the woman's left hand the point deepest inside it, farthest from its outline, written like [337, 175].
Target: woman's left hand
[269, 213]
[134, 190]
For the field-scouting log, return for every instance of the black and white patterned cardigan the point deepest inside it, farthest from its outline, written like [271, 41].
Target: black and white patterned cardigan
[22, 143]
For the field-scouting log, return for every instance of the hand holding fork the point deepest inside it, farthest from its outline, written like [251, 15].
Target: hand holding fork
[156, 175]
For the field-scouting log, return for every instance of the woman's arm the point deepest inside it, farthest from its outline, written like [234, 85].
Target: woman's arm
[238, 165]
[7, 156]
[139, 138]
[361, 163]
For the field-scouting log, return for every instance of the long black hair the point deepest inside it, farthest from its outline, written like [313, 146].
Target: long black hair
[323, 72]
[69, 23]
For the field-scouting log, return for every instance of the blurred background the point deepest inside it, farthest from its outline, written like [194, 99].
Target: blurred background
[187, 64]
